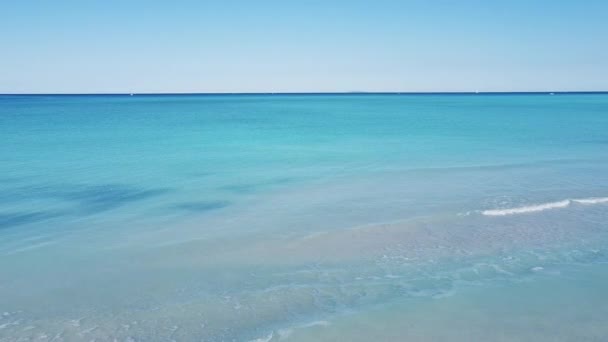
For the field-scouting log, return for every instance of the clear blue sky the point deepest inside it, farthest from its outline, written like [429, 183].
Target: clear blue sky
[277, 46]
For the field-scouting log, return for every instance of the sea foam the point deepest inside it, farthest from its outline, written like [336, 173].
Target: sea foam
[591, 200]
[543, 206]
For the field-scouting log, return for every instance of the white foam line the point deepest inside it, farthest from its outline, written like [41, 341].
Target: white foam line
[595, 200]
[543, 206]
[526, 209]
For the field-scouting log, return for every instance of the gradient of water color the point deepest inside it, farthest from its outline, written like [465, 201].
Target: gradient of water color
[304, 217]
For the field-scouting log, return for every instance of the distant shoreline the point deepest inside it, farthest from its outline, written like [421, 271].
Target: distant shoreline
[599, 92]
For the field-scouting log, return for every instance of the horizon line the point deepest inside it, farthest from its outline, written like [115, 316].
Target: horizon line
[321, 93]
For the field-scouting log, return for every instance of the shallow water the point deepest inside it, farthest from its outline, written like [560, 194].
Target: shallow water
[303, 217]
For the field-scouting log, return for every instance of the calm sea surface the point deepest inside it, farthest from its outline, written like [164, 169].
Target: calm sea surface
[304, 217]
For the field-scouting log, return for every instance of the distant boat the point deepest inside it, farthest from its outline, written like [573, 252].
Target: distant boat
[131, 94]
[551, 93]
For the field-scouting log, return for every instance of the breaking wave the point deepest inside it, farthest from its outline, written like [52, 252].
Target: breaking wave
[543, 206]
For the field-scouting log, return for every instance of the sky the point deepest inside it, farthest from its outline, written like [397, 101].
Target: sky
[125, 46]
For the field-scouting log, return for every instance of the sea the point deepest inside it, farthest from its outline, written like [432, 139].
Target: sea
[304, 217]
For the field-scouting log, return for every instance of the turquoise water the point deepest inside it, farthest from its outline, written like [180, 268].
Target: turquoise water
[304, 217]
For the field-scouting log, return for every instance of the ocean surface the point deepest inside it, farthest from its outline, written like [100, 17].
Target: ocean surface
[363, 217]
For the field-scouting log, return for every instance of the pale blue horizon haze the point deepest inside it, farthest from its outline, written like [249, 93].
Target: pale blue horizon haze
[307, 46]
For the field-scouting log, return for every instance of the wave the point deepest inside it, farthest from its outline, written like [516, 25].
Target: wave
[591, 200]
[543, 206]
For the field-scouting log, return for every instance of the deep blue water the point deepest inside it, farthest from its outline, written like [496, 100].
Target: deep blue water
[304, 217]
